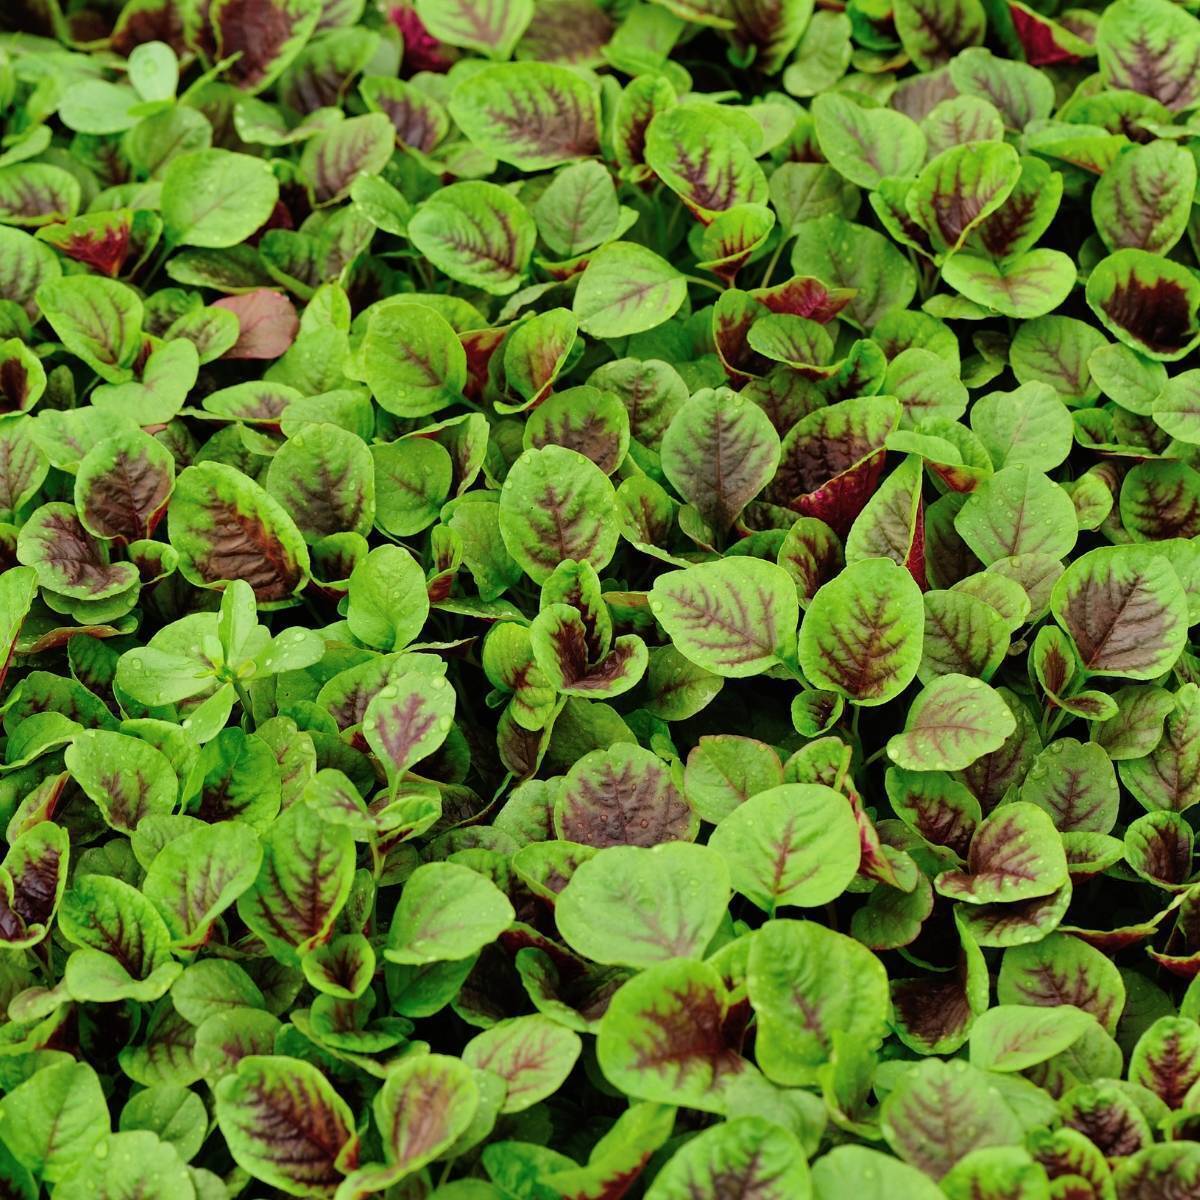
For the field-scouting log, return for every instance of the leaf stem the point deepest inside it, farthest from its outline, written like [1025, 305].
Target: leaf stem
[773, 263]
[716, 287]
[244, 698]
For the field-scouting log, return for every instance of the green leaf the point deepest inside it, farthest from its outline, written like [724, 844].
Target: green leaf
[719, 453]
[557, 505]
[1018, 510]
[1144, 199]
[766, 1161]
[797, 844]
[388, 601]
[735, 618]
[97, 320]
[702, 158]
[492, 27]
[216, 198]
[54, 1121]
[862, 632]
[304, 881]
[533, 1055]
[957, 1106]
[627, 289]
[446, 913]
[807, 983]
[867, 144]
[414, 363]
[953, 721]
[532, 115]
[476, 233]
[1014, 1037]
[633, 906]
[126, 778]
[199, 874]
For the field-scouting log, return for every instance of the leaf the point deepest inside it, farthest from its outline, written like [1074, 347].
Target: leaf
[1014, 1037]
[98, 320]
[55, 1120]
[1146, 301]
[476, 233]
[1030, 284]
[1149, 46]
[1029, 427]
[867, 145]
[805, 982]
[557, 505]
[532, 115]
[957, 1104]
[633, 906]
[199, 874]
[735, 618]
[68, 560]
[263, 36]
[757, 1157]
[532, 1054]
[869, 1175]
[267, 324]
[703, 160]
[933, 33]
[414, 363]
[862, 632]
[339, 155]
[953, 721]
[1125, 611]
[324, 477]
[663, 1037]
[128, 779]
[446, 913]
[408, 719]
[126, 945]
[216, 198]
[1015, 854]
[122, 486]
[285, 1125]
[1017, 511]
[388, 601]
[627, 289]
[1144, 198]
[719, 453]
[797, 844]
[491, 27]
[578, 210]
[621, 796]
[225, 526]
[305, 879]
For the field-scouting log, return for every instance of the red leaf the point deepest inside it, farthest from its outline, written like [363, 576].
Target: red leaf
[268, 323]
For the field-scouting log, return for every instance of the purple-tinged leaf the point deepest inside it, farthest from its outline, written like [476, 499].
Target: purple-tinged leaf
[532, 115]
[621, 796]
[263, 36]
[123, 485]
[286, 1126]
[719, 452]
[225, 526]
[939, 1112]
[666, 1037]
[32, 878]
[68, 560]
[1146, 301]
[1015, 854]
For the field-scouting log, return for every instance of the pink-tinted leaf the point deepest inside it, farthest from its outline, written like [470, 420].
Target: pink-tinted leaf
[267, 323]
